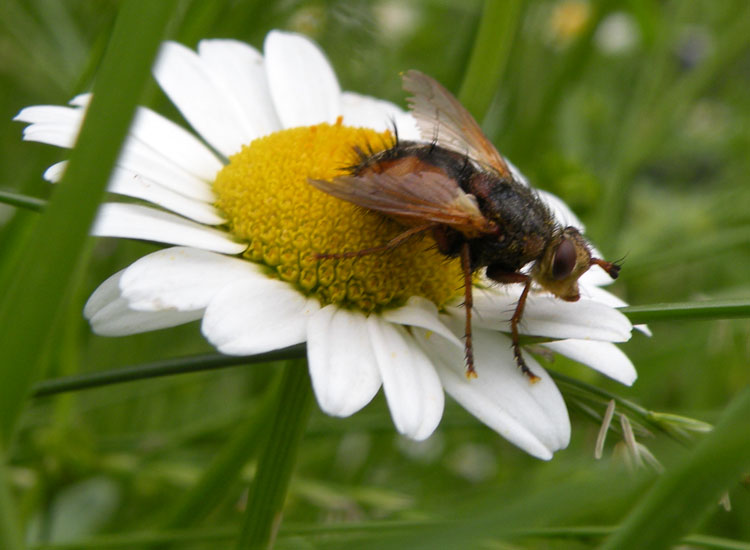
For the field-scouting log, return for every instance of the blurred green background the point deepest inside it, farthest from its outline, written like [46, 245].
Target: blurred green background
[637, 113]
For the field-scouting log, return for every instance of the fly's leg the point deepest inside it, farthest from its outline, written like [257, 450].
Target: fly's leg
[468, 304]
[514, 320]
[514, 277]
[395, 242]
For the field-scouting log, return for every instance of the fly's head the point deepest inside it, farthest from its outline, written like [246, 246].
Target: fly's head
[566, 257]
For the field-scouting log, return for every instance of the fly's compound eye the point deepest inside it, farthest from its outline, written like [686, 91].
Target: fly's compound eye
[565, 260]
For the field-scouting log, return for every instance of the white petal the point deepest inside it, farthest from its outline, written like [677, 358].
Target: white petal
[593, 292]
[140, 222]
[156, 149]
[54, 173]
[110, 315]
[240, 70]
[551, 317]
[531, 416]
[257, 315]
[420, 312]
[144, 160]
[563, 214]
[181, 278]
[303, 85]
[595, 276]
[59, 135]
[368, 112]
[517, 174]
[600, 295]
[131, 184]
[117, 319]
[411, 385]
[106, 293]
[407, 127]
[58, 125]
[203, 101]
[51, 114]
[137, 161]
[601, 356]
[175, 144]
[343, 370]
[81, 100]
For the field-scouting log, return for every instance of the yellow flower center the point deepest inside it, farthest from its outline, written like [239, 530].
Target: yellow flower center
[265, 195]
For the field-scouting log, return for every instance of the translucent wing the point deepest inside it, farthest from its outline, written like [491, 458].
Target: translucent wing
[443, 119]
[417, 198]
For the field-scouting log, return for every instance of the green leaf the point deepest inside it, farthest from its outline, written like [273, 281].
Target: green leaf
[276, 463]
[57, 246]
[36, 295]
[489, 56]
[226, 465]
[687, 491]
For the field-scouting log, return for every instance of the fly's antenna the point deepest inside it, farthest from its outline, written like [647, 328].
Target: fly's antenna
[612, 268]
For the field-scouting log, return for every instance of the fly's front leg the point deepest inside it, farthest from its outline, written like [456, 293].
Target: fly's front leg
[506, 277]
[514, 320]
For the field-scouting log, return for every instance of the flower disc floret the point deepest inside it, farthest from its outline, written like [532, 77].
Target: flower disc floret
[268, 201]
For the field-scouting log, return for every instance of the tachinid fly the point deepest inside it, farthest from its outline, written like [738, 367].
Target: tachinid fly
[460, 190]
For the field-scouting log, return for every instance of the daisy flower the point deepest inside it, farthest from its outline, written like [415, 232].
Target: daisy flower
[233, 200]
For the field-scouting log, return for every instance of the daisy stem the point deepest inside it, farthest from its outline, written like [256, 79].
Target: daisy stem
[276, 462]
[714, 309]
[156, 369]
[22, 201]
[489, 55]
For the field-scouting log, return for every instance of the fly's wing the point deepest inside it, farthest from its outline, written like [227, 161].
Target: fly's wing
[419, 198]
[441, 118]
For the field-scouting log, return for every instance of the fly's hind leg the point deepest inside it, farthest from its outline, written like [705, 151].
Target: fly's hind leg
[506, 277]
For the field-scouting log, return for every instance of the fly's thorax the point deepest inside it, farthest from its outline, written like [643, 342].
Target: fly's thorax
[515, 209]
[524, 223]
[566, 257]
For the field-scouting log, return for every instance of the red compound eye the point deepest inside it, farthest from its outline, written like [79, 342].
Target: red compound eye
[565, 260]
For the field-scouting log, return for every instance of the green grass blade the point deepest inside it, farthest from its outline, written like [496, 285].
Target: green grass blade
[572, 65]
[684, 494]
[489, 56]
[10, 536]
[650, 126]
[714, 309]
[38, 292]
[277, 460]
[342, 529]
[225, 467]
